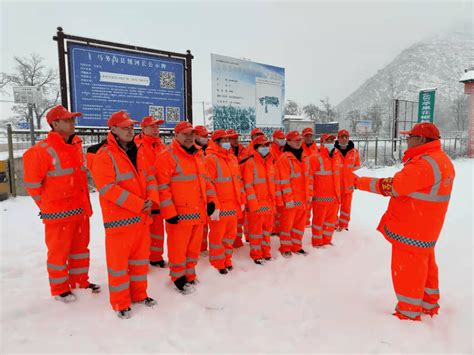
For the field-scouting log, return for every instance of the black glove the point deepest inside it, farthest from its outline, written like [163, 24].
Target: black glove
[173, 220]
[211, 207]
[155, 211]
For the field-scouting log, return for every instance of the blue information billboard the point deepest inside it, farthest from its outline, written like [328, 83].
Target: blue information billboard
[105, 80]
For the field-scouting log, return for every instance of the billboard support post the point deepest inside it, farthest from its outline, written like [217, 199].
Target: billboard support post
[189, 87]
[62, 67]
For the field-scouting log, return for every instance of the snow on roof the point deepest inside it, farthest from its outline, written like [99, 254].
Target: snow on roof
[468, 76]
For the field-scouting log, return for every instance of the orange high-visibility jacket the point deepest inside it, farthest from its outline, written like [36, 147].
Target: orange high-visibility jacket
[148, 150]
[55, 177]
[276, 151]
[184, 184]
[420, 195]
[312, 149]
[123, 189]
[294, 182]
[326, 172]
[350, 163]
[259, 182]
[242, 152]
[224, 172]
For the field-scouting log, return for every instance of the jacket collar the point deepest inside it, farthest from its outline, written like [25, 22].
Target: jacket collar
[422, 149]
[57, 139]
[217, 150]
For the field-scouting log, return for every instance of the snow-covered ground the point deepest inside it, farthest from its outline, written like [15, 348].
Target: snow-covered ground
[338, 299]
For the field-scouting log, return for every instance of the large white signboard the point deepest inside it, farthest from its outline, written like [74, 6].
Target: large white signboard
[246, 94]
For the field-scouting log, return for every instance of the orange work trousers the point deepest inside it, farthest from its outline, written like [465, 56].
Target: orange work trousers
[157, 235]
[415, 280]
[221, 239]
[260, 230]
[205, 234]
[324, 222]
[345, 210]
[292, 223]
[277, 220]
[127, 250]
[240, 229]
[184, 243]
[68, 255]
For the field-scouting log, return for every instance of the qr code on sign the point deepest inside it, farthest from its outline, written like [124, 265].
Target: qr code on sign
[158, 112]
[167, 80]
[172, 114]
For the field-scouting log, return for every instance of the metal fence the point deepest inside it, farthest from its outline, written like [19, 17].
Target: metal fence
[374, 152]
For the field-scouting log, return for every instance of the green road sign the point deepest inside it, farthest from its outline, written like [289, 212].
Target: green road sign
[426, 104]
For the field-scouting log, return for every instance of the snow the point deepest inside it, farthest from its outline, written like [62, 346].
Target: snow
[338, 299]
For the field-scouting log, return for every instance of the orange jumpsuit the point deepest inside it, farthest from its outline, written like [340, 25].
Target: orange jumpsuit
[123, 190]
[185, 190]
[276, 151]
[326, 194]
[419, 198]
[224, 172]
[240, 153]
[294, 194]
[150, 147]
[259, 183]
[310, 150]
[350, 163]
[55, 177]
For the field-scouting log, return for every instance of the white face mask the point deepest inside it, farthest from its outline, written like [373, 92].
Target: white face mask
[280, 142]
[202, 140]
[329, 146]
[225, 145]
[264, 151]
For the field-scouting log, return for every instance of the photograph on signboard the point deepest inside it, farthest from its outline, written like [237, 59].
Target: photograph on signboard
[246, 94]
[103, 81]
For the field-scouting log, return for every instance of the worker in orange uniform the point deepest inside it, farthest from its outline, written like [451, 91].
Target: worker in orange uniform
[326, 168]
[309, 145]
[126, 195]
[254, 133]
[259, 184]
[55, 177]
[294, 194]
[419, 197]
[240, 152]
[201, 139]
[276, 150]
[350, 163]
[150, 145]
[224, 172]
[187, 198]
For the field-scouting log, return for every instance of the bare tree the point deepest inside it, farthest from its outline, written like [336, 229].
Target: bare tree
[312, 111]
[329, 113]
[31, 71]
[459, 112]
[374, 113]
[292, 108]
[353, 116]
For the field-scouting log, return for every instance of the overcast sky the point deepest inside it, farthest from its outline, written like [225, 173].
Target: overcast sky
[328, 49]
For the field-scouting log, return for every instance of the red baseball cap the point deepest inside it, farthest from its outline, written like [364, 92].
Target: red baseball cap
[343, 132]
[219, 133]
[293, 136]
[149, 121]
[120, 119]
[256, 131]
[184, 127]
[325, 136]
[278, 134]
[259, 140]
[201, 131]
[306, 131]
[424, 129]
[59, 112]
[232, 133]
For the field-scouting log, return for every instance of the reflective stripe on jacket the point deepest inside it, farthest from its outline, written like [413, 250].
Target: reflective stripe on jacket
[122, 189]
[350, 163]
[420, 195]
[259, 183]
[183, 184]
[55, 177]
[224, 172]
[326, 175]
[294, 183]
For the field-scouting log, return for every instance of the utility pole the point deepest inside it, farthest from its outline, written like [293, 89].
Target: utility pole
[32, 124]
[204, 114]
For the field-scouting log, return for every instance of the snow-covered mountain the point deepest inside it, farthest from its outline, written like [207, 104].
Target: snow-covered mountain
[436, 62]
